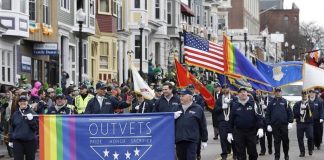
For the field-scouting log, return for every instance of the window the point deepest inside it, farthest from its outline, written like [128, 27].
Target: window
[104, 50]
[114, 56]
[145, 4]
[198, 14]
[211, 21]
[205, 18]
[23, 6]
[137, 4]
[120, 18]
[285, 18]
[104, 6]
[157, 9]
[65, 5]
[138, 44]
[32, 10]
[6, 5]
[46, 12]
[46, 69]
[115, 8]
[37, 69]
[92, 10]
[92, 13]
[169, 10]
[85, 59]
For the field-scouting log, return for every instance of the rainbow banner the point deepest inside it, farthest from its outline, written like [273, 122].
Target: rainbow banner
[238, 66]
[106, 137]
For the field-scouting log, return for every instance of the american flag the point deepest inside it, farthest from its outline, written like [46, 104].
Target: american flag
[203, 53]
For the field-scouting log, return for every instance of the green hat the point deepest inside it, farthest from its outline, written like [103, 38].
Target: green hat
[59, 90]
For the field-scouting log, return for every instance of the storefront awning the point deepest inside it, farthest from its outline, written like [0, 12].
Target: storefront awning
[186, 10]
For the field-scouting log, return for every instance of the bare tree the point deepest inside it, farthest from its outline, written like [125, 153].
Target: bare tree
[313, 33]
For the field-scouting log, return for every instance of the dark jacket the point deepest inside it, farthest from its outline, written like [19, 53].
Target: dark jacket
[317, 105]
[63, 110]
[218, 107]
[278, 112]
[198, 99]
[41, 107]
[191, 125]
[162, 105]
[214, 114]
[69, 99]
[147, 108]
[21, 128]
[309, 113]
[244, 117]
[108, 105]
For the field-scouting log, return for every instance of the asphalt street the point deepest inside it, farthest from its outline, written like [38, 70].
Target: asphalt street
[213, 150]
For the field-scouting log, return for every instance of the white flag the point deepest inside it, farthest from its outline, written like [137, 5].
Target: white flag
[140, 86]
[312, 77]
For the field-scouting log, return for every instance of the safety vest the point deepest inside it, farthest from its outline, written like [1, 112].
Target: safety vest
[81, 103]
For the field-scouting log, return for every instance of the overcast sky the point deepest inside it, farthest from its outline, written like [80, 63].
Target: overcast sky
[310, 10]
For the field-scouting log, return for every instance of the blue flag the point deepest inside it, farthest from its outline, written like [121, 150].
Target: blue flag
[281, 73]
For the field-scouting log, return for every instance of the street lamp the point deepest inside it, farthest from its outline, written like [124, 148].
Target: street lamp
[180, 44]
[292, 49]
[231, 36]
[245, 40]
[141, 25]
[81, 18]
[286, 47]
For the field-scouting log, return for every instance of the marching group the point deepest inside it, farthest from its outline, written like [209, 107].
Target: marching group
[240, 119]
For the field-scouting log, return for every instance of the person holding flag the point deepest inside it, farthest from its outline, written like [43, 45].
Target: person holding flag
[222, 111]
[303, 113]
[141, 105]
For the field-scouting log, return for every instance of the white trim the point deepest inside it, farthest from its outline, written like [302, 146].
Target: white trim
[109, 7]
[114, 13]
[65, 9]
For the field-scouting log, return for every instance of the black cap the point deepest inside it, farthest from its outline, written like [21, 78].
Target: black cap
[225, 86]
[242, 89]
[278, 89]
[312, 91]
[23, 98]
[83, 86]
[158, 89]
[101, 85]
[60, 96]
[217, 85]
[190, 86]
[185, 91]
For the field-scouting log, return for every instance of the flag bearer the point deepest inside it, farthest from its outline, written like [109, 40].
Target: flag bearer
[303, 114]
[245, 124]
[222, 110]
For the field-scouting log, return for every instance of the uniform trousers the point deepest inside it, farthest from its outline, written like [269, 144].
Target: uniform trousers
[318, 133]
[246, 141]
[186, 150]
[305, 128]
[24, 149]
[280, 134]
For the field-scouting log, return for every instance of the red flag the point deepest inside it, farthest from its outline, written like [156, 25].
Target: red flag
[184, 81]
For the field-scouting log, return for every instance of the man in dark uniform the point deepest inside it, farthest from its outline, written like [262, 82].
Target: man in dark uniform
[222, 110]
[318, 116]
[279, 119]
[303, 113]
[245, 122]
[158, 94]
[104, 105]
[217, 93]
[197, 98]
[190, 127]
[168, 101]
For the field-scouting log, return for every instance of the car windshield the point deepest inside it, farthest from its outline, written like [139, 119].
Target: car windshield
[293, 90]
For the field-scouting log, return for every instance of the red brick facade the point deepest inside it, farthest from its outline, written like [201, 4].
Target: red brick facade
[236, 15]
[106, 23]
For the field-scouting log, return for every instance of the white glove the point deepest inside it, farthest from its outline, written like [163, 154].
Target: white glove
[321, 120]
[303, 106]
[10, 144]
[269, 128]
[29, 116]
[225, 106]
[137, 107]
[203, 145]
[264, 106]
[227, 100]
[261, 102]
[302, 111]
[290, 125]
[230, 137]
[177, 114]
[260, 133]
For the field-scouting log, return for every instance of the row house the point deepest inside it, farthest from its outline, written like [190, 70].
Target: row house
[103, 45]
[68, 37]
[13, 28]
